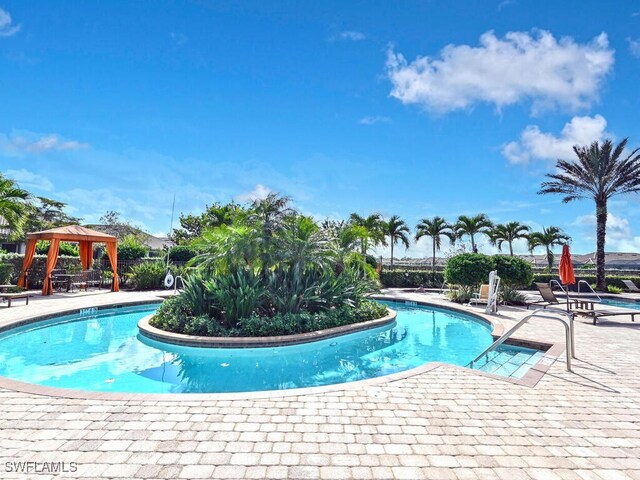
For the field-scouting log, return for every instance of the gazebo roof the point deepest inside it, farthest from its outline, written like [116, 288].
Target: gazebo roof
[72, 233]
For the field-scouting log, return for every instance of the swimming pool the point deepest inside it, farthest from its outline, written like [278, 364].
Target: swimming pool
[614, 302]
[103, 351]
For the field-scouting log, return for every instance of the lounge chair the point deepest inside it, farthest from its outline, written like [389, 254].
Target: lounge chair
[631, 286]
[548, 297]
[596, 314]
[13, 296]
[482, 296]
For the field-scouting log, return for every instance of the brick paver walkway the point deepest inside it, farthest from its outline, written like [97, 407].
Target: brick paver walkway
[447, 423]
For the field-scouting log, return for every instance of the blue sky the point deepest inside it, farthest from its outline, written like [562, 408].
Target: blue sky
[415, 108]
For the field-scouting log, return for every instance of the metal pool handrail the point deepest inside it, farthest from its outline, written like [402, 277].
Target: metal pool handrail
[590, 288]
[539, 313]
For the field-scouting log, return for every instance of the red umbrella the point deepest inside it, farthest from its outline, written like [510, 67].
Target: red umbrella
[567, 277]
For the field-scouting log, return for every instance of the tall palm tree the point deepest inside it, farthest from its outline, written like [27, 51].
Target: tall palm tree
[472, 226]
[508, 232]
[436, 228]
[372, 231]
[12, 205]
[599, 172]
[549, 237]
[398, 231]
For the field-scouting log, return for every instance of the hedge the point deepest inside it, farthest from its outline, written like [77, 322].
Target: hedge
[429, 279]
[411, 278]
[37, 270]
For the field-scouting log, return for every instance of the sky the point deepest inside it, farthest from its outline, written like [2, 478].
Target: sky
[414, 108]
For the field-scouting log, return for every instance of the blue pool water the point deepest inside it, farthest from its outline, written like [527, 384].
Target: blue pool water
[103, 351]
[621, 303]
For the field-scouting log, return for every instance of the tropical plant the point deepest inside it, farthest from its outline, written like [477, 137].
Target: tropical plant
[508, 232]
[613, 289]
[549, 237]
[147, 275]
[599, 172]
[435, 228]
[398, 231]
[12, 205]
[471, 226]
[371, 231]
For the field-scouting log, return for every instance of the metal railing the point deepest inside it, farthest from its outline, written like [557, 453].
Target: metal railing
[584, 282]
[539, 313]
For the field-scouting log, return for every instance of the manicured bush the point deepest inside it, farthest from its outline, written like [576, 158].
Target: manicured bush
[513, 271]
[130, 248]
[173, 315]
[148, 275]
[411, 278]
[181, 253]
[468, 269]
[65, 248]
[614, 280]
[6, 269]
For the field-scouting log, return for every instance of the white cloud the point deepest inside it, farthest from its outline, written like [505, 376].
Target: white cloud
[534, 144]
[372, 120]
[620, 237]
[503, 71]
[27, 179]
[634, 46]
[6, 24]
[352, 35]
[179, 38]
[259, 192]
[20, 142]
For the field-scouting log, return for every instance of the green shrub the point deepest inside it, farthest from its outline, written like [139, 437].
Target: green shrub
[65, 248]
[468, 269]
[6, 269]
[238, 294]
[148, 275]
[513, 271]
[460, 293]
[130, 248]
[614, 289]
[36, 272]
[511, 296]
[181, 253]
[411, 278]
[615, 280]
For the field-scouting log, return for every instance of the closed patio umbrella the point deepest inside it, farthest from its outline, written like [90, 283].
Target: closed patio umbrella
[567, 276]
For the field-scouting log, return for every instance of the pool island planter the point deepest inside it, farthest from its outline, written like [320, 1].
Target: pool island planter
[147, 330]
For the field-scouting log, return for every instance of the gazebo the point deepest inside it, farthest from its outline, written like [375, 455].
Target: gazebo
[72, 233]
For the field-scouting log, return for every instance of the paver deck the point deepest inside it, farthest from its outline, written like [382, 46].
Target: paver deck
[445, 423]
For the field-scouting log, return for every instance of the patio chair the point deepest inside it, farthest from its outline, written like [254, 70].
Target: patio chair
[548, 297]
[80, 281]
[631, 287]
[482, 296]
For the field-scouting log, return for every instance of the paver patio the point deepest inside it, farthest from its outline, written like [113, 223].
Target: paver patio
[445, 423]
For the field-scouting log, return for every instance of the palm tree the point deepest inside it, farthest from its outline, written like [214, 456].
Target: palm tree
[372, 230]
[397, 230]
[508, 232]
[599, 172]
[548, 238]
[436, 228]
[12, 205]
[472, 226]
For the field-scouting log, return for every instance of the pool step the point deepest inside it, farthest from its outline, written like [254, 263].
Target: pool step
[509, 362]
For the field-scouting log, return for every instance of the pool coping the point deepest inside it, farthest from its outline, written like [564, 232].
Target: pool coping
[163, 336]
[530, 379]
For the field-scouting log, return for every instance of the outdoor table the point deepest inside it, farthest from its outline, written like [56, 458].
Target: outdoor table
[62, 278]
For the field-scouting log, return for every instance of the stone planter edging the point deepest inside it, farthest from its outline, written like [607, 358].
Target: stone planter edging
[253, 342]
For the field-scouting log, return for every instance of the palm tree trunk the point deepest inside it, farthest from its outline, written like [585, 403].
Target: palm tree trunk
[433, 261]
[601, 228]
[473, 244]
[549, 258]
[392, 253]
[511, 248]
